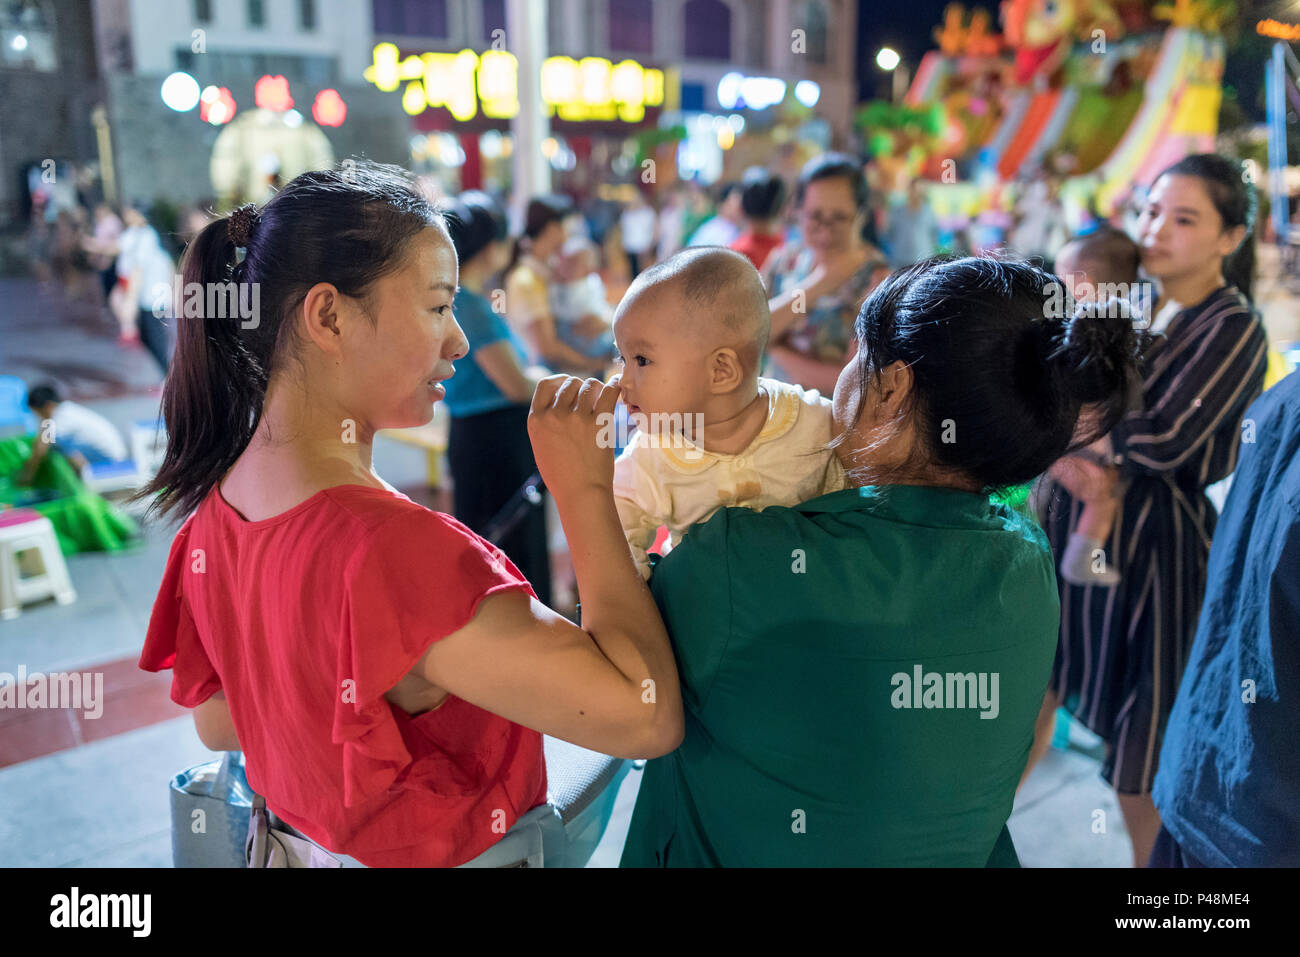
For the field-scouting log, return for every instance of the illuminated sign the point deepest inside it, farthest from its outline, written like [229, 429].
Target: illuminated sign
[272, 93]
[329, 108]
[592, 88]
[1278, 31]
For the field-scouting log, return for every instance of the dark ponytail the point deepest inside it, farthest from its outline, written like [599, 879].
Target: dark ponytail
[1235, 200]
[1000, 374]
[348, 227]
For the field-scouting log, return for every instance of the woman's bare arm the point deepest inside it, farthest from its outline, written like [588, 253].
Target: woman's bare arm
[611, 685]
[212, 722]
[502, 369]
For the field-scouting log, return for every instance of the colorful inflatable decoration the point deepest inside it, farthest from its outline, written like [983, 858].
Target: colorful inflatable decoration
[1102, 94]
[1040, 31]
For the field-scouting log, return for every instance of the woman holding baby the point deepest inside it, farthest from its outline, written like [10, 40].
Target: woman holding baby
[1126, 639]
[388, 674]
[861, 672]
[816, 285]
[536, 292]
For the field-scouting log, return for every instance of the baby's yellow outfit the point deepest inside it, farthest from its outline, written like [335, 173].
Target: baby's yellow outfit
[677, 483]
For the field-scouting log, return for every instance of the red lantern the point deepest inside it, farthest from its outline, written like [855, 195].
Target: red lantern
[216, 106]
[329, 108]
[272, 93]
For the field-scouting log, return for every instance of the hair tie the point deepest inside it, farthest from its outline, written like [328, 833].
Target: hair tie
[241, 224]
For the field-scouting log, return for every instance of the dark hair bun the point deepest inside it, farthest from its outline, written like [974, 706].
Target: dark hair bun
[999, 384]
[1096, 357]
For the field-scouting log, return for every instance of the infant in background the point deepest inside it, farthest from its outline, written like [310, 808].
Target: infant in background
[1102, 261]
[578, 300]
[712, 433]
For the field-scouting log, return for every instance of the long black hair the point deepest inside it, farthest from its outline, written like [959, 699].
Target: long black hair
[347, 226]
[1234, 199]
[1000, 373]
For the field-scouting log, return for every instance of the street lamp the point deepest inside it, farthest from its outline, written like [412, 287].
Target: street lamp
[889, 61]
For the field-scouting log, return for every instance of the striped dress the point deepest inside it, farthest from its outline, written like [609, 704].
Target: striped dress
[1122, 648]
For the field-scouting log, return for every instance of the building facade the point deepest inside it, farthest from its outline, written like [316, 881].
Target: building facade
[86, 88]
[49, 86]
[288, 55]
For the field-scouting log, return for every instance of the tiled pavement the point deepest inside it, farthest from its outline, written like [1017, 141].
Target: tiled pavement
[76, 791]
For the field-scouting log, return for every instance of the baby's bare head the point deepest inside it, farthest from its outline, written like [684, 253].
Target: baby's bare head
[707, 298]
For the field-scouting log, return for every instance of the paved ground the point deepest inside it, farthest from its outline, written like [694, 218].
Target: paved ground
[82, 793]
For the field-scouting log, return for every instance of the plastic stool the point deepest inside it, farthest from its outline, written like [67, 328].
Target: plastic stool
[22, 531]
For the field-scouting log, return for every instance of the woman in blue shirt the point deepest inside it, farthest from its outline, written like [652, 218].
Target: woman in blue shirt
[489, 451]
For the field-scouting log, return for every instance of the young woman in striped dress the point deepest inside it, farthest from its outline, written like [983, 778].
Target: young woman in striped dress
[1123, 647]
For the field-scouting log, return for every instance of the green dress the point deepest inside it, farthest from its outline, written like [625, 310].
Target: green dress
[82, 520]
[861, 675]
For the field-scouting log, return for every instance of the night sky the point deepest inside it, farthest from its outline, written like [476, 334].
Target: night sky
[905, 25]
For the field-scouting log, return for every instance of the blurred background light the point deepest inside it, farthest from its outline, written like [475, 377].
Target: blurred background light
[180, 92]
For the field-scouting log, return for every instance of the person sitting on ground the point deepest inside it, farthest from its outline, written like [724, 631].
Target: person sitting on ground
[691, 331]
[84, 436]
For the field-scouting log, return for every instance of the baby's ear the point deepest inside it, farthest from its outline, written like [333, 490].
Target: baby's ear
[726, 372]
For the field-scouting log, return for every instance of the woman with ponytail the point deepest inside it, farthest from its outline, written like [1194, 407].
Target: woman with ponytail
[385, 671]
[865, 668]
[529, 277]
[1123, 645]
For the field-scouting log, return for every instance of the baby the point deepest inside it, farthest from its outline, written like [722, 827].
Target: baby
[578, 300]
[711, 432]
[1087, 264]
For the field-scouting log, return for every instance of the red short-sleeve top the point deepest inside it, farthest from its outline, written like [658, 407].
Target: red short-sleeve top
[305, 620]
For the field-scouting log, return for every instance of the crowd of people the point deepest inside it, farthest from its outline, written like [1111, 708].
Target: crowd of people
[118, 260]
[866, 411]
